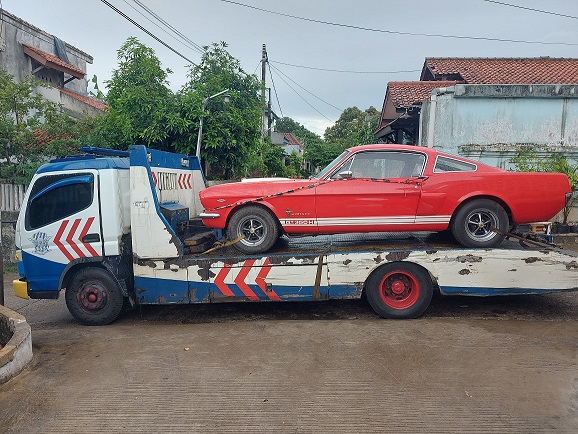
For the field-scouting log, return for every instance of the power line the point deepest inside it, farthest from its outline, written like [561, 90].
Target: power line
[310, 93]
[118, 11]
[368, 29]
[275, 89]
[531, 9]
[195, 46]
[157, 25]
[299, 95]
[346, 71]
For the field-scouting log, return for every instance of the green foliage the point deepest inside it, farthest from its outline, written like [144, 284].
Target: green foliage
[231, 131]
[527, 159]
[321, 154]
[273, 158]
[142, 108]
[354, 127]
[32, 129]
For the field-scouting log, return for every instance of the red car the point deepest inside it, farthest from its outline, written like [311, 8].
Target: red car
[386, 188]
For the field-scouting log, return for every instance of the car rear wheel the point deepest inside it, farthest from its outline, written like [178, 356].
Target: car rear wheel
[258, 227]
[399, 290]
[473, 222]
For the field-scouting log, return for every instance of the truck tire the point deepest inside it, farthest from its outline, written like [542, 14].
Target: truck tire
[258, 226]
[472, 223]
[399, 290]
[93, 297]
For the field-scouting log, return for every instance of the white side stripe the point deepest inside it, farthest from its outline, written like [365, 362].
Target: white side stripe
[368, 221]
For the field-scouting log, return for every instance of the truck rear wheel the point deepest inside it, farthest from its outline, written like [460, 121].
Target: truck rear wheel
[93, 297]
[399, 290]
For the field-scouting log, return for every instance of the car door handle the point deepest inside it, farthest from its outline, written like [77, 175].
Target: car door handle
[91, 238]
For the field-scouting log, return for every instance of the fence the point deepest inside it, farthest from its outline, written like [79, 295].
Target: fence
[11, 196]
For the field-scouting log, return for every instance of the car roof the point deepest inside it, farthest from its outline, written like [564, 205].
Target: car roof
[393, 146]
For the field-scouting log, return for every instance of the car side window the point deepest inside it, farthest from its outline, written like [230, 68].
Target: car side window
[53, 198]
[384, 164]
[445, 164]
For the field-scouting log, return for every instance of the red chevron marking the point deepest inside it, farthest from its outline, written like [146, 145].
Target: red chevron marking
[260, 280]
[240, 280]
[59, 244]
[188, 184]
[71, 243]
[85, 229]
[220, 281]
[154, 175]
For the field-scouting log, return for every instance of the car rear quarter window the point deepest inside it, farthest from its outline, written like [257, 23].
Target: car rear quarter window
[446, 164]
[55, 197]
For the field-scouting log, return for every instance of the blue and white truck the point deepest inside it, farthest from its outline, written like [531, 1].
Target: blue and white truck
[111, 228]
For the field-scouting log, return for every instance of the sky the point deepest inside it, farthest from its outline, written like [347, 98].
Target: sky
[378, 39]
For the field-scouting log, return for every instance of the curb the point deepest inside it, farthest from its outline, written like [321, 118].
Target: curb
[17, 352]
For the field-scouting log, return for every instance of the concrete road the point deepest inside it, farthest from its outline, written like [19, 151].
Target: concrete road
[492, 365]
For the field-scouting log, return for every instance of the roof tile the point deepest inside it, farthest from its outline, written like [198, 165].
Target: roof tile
[53, 61]
[407, 93]
[533, 70]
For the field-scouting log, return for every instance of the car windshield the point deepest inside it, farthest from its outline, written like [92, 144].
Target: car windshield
[330, 166]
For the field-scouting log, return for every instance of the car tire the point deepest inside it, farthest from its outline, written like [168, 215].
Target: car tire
[259, 227]
[93, 297]
[472, 223]
[400, 290]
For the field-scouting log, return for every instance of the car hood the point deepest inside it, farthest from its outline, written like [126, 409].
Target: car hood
[226, 194]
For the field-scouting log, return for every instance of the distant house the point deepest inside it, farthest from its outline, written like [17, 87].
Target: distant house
[28, 50]
[400, 115]
[290, 145]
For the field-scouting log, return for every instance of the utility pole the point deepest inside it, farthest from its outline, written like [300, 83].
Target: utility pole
[266, 105]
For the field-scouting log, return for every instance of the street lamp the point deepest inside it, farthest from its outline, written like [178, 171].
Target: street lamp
[226, 98]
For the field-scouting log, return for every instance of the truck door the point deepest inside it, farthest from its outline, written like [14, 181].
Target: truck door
[60, 225]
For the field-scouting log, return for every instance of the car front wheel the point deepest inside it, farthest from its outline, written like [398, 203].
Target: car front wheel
[473, 222]
[258, 228]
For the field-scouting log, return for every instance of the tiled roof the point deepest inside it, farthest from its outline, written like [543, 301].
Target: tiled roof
[406, 93]
[51, 61]
[291, 139]
[535, 70]
[100, 105]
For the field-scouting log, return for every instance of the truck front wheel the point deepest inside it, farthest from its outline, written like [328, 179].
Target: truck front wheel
[93, 297]
[399, 290]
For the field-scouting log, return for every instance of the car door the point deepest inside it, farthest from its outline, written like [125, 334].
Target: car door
[61, 225]
[372, 191]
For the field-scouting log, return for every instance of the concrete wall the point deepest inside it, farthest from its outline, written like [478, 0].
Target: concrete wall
[16, 32]
[489, 122]
[7, 226]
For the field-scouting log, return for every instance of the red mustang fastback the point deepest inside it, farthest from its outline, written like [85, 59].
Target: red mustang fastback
[386, 188]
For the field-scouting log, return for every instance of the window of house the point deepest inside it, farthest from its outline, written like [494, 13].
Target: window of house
[53, 198]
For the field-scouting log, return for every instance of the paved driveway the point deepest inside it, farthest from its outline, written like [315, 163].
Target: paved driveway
[468, 365]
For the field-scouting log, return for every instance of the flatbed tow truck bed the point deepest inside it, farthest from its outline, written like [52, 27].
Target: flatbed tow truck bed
[343, 266]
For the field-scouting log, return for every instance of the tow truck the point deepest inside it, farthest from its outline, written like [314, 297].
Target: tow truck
[117, 228]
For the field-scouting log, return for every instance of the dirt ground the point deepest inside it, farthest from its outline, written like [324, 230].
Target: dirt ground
[492, 365]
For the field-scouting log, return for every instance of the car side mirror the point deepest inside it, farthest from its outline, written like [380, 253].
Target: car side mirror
[348, 174]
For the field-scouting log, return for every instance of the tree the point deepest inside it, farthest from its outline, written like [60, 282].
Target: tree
[32, 129]
[142, 108]
[231, 131]
[354, 127]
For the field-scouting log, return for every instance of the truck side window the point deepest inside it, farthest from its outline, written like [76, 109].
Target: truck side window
[53, 198]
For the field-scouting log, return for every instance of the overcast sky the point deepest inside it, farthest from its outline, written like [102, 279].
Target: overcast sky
[95, 28]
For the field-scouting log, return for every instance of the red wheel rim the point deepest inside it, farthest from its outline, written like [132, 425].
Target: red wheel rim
[399, 289]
